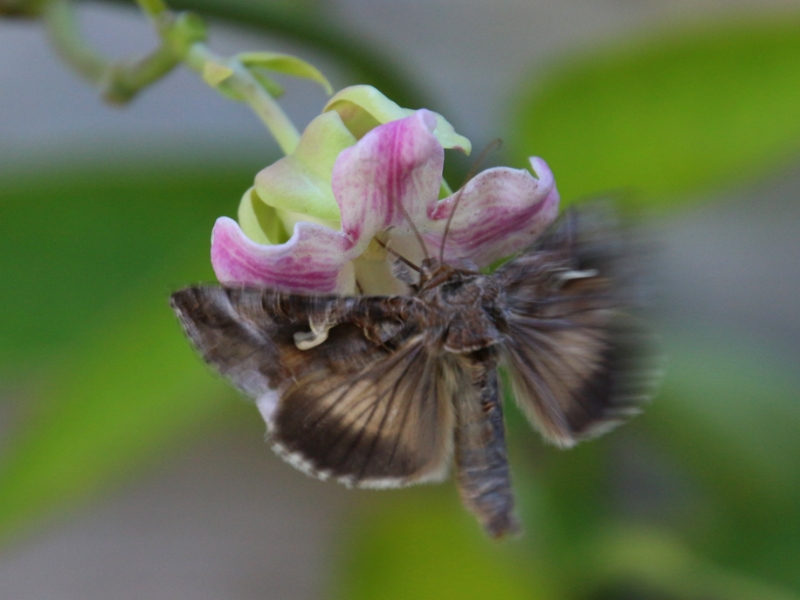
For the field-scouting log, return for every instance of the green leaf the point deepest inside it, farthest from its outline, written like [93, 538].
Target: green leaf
[286, 64]
[731, 409]
[120, 383]
[75, 241]
[216, 75]
[669, 115]
[729, 415]
[641, 558]
[132, 388]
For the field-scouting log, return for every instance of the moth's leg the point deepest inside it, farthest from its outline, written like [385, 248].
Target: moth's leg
[480, 449]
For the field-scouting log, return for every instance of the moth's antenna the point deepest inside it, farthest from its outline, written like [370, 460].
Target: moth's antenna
[490, 147]
[399, 256]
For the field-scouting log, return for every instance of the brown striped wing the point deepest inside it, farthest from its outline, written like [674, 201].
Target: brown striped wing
[580, 364]
[364, 403]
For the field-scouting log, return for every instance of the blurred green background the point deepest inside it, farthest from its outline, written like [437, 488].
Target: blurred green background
[128, 470]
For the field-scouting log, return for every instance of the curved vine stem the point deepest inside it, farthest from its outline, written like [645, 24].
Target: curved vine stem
[182, 40]
[182, 37]
[369, 64]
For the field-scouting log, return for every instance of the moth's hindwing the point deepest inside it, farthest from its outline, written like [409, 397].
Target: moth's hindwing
[579, 362]
[359, 403]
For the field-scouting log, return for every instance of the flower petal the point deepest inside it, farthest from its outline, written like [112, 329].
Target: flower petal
[362, 108]
[501, 211]
[301, 182]
[316, 259]
[259, 221]
[395, 167]
[447, 136]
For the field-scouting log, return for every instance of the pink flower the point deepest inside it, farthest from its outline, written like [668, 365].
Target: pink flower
[393, 174]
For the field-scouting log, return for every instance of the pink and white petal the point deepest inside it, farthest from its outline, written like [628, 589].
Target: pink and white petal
[316, 259]
[501, 211]
[395, 165]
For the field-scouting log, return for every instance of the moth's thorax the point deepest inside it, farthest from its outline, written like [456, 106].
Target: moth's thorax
[462, 307]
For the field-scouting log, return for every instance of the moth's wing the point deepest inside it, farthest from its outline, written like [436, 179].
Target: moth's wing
[580, 363]
[386, 424]
[361, 403]
[249, 334]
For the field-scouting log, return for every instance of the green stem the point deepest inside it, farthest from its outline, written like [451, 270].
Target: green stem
[366, 61]
[119, 81]
[181, 39]
[65, 35]
[368, 64]
[127, 80]
[242, 82]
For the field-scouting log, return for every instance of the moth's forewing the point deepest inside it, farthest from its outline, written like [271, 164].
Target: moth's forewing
[385, 425]
[234, 335]
[580, 362]
[359, 404]
[480, 449]
[250, 335]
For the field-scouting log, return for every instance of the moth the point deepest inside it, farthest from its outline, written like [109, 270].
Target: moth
[381, 392]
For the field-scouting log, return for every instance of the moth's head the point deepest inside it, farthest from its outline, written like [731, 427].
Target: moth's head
[433, 272]
[432, 268]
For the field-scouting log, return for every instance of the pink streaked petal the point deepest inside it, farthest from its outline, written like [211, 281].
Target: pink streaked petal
[501, 212]
[395, 165]
[315, 259]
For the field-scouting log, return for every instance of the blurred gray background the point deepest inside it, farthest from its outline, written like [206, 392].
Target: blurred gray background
[205, 525]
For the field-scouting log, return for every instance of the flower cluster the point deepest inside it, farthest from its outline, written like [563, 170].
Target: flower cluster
[364, 167]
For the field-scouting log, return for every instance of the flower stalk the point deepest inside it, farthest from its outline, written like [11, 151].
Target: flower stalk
[65, 35]
[119, 81]
[182, 38]
[244, 86]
